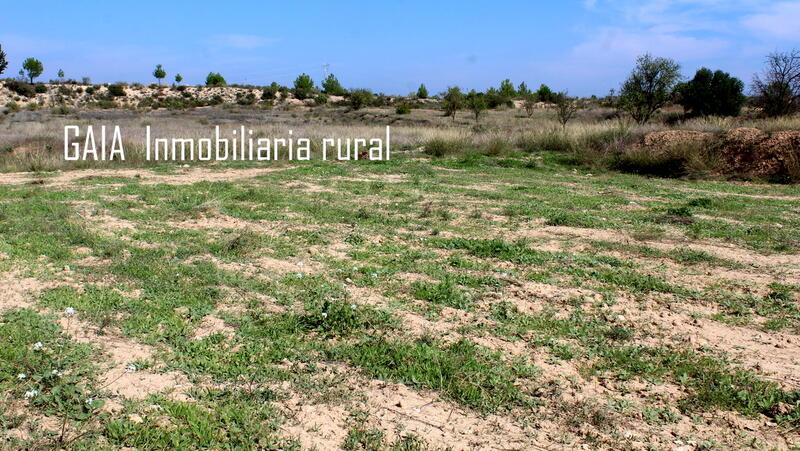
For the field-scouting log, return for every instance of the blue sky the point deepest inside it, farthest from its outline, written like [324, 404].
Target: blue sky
[586, 46]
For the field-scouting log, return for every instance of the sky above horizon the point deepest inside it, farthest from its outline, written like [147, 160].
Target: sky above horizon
[585, 46]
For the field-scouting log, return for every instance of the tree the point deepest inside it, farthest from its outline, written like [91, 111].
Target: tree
[61, 75]
[531, 99]
[422, 92]
[215, 79]
[33, 68]
[331, 86]
[649, 87]
[3, 61]
[523, 90]
[711, 94]
[303, 86]
[476, 102]
[453, 101]
[360, 98]
[777, 89]
[159, 73]
[544, 93]
[566, 108]
[178, 78]
[507, 89]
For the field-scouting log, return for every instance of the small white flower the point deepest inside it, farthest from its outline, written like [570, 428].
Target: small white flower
[21, 376]
[31, 393]
[130, 368]
[69, 311]
[299, 275]
[89, 401]
[355, 268]
[374, 275]
[57, 373]
[353, 306]
[324, 314]
[37, 346]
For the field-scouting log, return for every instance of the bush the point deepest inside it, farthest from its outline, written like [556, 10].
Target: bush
[321, 99]
[550, 140]
[215, 79]
[21, 88]
[439, 147]
[497, 146]
[40, 88]
[672, 162]
[403, 108]
[12, 106]
[360, 98]
[116, 90]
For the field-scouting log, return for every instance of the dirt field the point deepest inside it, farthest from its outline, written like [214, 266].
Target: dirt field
[468, 302]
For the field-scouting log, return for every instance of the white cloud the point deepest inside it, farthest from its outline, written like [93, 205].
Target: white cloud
[781, 21]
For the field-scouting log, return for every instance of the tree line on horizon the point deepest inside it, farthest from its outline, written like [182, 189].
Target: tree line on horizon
[653, 83]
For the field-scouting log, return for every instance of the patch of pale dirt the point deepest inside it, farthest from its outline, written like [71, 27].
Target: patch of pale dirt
[16, 290]
[186, 176]
[211, 325]
[773, 355]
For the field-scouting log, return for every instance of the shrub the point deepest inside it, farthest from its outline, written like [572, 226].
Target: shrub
[360, 98]
[680, 160]
[439, 147]
[12, 106]
[40, 88]
[270, 92]
[321, 99]
[21, 88]
[116, 90]
[422, 92]
[403, 108]
[215, 79]
[497, 146]
[495, 98]
[711, 94]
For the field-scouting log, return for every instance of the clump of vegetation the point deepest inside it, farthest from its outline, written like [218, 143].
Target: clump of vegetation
[33, 68]
[649, 87]
[422, 92]
[116, 90]
[711, 94]
[476, 103]
[303, 87]
[215, 79]
[439, 147]
[331, 86]
[453, 101]
[159, 73]
[777, 90]
[360, 98]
